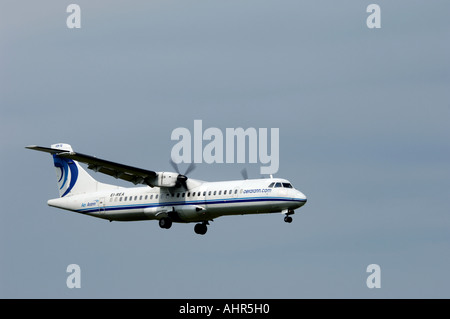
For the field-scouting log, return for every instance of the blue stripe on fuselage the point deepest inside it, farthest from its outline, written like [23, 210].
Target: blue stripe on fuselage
[196, 202]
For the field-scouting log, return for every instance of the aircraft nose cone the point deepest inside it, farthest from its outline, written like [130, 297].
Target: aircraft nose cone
[302, 197]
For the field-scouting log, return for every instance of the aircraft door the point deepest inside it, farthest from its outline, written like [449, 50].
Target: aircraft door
[202, 196]
[101, 205]
[206, 197]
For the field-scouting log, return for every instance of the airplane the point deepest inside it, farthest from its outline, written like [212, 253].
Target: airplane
[167, 196]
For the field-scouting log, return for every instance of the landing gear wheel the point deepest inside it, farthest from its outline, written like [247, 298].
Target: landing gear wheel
[288, 219]
[200, 229]
[165, 223]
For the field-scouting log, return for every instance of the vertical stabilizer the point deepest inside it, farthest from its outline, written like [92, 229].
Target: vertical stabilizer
[70, 176]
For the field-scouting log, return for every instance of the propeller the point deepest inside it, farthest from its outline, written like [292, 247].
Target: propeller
[182, 178]
[244, 173]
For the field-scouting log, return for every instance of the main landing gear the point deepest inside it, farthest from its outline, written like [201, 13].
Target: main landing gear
[199, 228]
[165, 222]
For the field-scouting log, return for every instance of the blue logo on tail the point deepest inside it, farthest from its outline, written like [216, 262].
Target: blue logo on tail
[69, 171]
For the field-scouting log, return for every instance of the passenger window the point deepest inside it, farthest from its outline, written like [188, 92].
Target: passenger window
[235, 191]
[156, 196]
[140, 197]
[178, 194]
[146, 196]
[204, 193]
[120, 199]
[214, 193]
[220, 192]
[135, 197]
[188, 194]
[209, 193]
[182, 195]
[125, 199]
[225, 192]
[193, 194]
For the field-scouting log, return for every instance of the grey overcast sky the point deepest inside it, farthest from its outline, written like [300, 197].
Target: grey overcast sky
[363, 116]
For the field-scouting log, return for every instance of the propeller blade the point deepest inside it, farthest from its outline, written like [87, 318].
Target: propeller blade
[190, 168]
[182, 178]
[244, 173]
[174, 165]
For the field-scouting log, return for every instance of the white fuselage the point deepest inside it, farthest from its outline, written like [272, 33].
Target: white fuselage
[205, 201]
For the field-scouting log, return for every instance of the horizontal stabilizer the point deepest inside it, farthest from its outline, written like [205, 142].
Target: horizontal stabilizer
[128, 173]
[46, 149]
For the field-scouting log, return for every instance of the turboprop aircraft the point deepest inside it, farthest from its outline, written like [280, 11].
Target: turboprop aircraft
[167, 197]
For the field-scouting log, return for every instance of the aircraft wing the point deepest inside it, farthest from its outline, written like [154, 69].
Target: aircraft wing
[128, 173]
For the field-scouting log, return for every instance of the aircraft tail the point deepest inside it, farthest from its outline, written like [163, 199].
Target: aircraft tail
[71, 178]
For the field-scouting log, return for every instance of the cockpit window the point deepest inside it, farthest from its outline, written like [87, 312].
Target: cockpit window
[271, 184]
[287, 185]
[278, 185]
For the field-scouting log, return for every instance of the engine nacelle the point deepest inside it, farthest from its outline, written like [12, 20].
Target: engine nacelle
[166, 179]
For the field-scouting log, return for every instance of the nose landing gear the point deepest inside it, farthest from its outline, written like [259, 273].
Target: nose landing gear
[287, 218]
